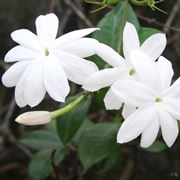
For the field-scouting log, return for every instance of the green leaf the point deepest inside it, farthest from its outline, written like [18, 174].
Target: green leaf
[97, 143]
[85, 125]
[40, 165]
[51, 126]
[98, 100]
[69, 123]
[156, 147]
[111, 161]
[145, 32]
[41, 139]
[112, 26]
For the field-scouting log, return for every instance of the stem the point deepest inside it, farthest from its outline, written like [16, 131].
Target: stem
[67, 108]
[93, 2]
[54, 165]
[96, 10]
[138, 2]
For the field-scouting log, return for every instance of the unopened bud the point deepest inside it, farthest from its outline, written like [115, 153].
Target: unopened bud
[34, 118]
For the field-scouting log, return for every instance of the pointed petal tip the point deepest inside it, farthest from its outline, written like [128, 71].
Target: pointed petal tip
[144, 145]
[120, 138]
[120, 141]
[63, 100]
[86, 87]
[6, 57]
[3, 81]
[170, 144]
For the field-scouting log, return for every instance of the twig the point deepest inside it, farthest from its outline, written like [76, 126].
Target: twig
[9, 167]
[5, 125]
[78, 13]
[153, 21]
[4, 65]
[26, 151]
[172, 16]
[64, 21]
[54, 165]
[51, 5]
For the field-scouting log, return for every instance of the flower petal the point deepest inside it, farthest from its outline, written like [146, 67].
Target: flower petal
[71, 36]
[134, 93]
[83, 47]
[77, 69]
[150, 133]
[165, 72]
[55, 79]
[109, 55]
[47, 27]
[169, 127]
[19, 90]
[111, 102]
[135, 124]
[154, 45]
[103, 78]
[20, 53]
[26, 38]
[173, 90]
[14, 73]
[34, 90]
[146, 69]
[172, 106]
[127, 110]
[130, 39]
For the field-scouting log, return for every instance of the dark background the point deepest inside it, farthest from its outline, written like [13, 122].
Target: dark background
[74, 14]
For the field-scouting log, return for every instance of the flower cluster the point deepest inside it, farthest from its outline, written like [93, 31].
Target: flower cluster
[45, 63]
[140, 82]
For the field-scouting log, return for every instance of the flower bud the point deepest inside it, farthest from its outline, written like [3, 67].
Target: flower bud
[34, 118]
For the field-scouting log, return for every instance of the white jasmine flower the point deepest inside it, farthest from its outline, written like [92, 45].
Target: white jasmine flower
[152, 46]
[46, 63]
[34, 118]
[123, 68]
[158, 102]
[107, 77]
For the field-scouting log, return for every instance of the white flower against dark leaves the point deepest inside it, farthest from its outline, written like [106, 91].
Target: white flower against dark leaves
[158, 102]
[123, 68]
[45, 63]
[152, 46]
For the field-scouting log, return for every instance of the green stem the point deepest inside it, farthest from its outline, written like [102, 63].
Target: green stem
[68, 108]
[139, 2]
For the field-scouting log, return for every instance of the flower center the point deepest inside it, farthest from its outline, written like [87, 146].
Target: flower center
[132, 72]
[46, 52]
[158, 100]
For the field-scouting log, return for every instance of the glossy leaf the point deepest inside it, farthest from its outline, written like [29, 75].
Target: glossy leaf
[41, 166]
[156, 147]
[69, 123]
[97, 143]
[112, 26]
[145, 32]
[111, 161]
[41, 139]
[85, 125]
